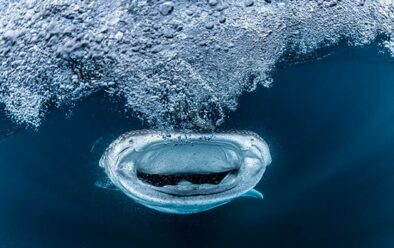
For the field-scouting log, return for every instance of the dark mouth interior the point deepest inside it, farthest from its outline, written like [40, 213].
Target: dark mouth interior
[163, 180]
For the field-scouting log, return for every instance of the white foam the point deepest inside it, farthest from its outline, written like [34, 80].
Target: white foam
[180, 64]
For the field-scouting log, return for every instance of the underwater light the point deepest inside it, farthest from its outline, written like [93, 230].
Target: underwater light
[185, 173]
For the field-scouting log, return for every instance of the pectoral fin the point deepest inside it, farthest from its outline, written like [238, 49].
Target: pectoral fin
[254, 193]
[105, 183]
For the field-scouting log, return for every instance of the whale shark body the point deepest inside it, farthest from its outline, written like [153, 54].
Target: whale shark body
[184, 173]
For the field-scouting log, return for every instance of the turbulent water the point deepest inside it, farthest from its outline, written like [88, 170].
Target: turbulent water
[176, 64]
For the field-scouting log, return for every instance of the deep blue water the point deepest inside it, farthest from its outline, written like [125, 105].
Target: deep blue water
[330, 127]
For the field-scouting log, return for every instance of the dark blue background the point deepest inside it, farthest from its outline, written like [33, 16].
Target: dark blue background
[330, 127]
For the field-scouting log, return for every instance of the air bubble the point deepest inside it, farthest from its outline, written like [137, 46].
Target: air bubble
[166, 8]
[249, 3]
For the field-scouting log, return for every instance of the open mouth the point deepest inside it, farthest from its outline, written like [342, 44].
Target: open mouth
[185, 173]
[188, 168]
[185, 179]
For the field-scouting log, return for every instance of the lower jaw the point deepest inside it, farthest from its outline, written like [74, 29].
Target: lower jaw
[187, 200]
[184, 208]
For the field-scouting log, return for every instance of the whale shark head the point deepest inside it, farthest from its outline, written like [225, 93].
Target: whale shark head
[183, 173]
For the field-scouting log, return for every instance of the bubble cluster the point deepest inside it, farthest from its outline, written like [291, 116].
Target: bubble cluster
[177, 64]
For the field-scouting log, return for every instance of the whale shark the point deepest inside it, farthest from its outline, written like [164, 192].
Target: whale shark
[184, 173]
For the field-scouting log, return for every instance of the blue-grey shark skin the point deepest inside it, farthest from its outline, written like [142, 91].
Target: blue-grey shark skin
[244, 156]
